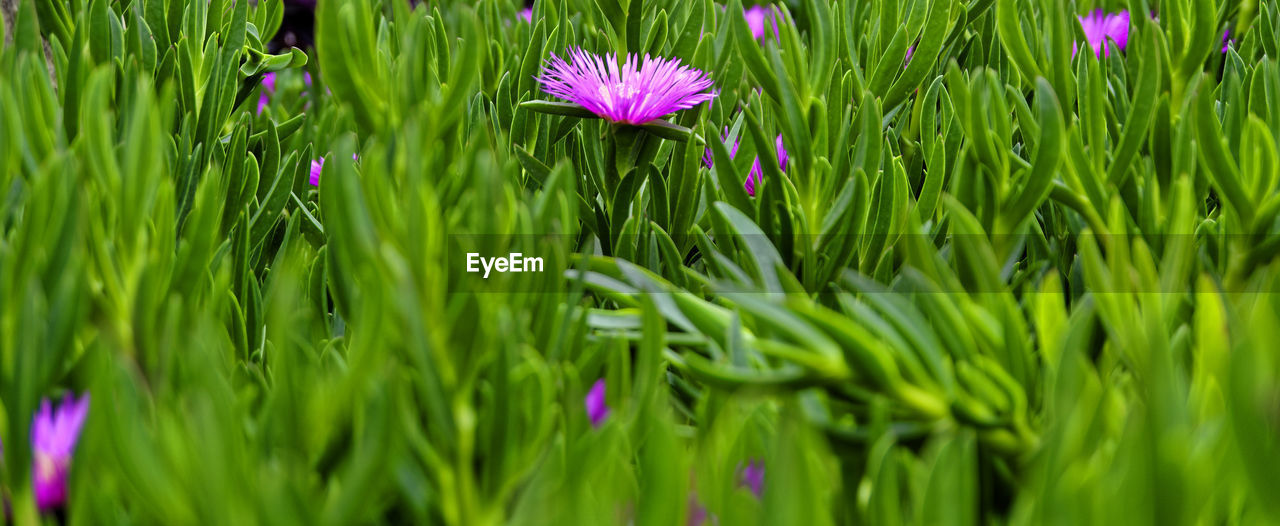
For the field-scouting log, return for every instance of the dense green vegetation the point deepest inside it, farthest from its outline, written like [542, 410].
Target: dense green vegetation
[1000, 279]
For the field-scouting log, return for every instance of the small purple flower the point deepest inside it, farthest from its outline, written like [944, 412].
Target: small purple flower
[268, 86]
[756, 16]
[698, 514]
[317, 165]
[54, 433]
[910, 51]
[757, 173]
[527, 14]
[1226, 40]
[752, 477]
[597, 410]
[637, 93]
[709, 160]
[1099, 27]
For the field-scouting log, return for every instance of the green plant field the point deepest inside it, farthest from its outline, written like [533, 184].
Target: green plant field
[936, 262]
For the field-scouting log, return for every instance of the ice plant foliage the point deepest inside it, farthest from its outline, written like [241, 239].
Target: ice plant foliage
[1102, 30]
[597, 410]
[54, 433]
[638, 92]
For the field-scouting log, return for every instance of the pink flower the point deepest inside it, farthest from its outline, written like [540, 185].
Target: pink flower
[317, 165]
[597, 410]
[755, 20]
[698, 514]
[268, 86]
[756, 16]
[757, 173]
[54, 433]
[636, 93]
[1098, 28]
[527, 14]
[752, 477]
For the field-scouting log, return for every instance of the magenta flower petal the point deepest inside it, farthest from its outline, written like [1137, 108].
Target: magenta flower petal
[527, 14]
[54, 433]
[752, 477]
[757, 173]
[636, 93]
[755, 16]
[268, 86]
[709, 160]
[1116, 28]
[782, 153]
[1099, 28]
[1226, 40]
[697, 514]
[597, 410]
[316, 167]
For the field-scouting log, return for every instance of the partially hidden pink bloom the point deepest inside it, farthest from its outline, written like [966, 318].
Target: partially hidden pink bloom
[268, 86]
[757, 173]
[755, 20]
[317, 165]
[752, 477]
[1226, 40]
[597, 409]
[527, 14]
[636, 93]
[54, 433]
[1099, 28]
[698, 514]
[910, 51]
[756, 17]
